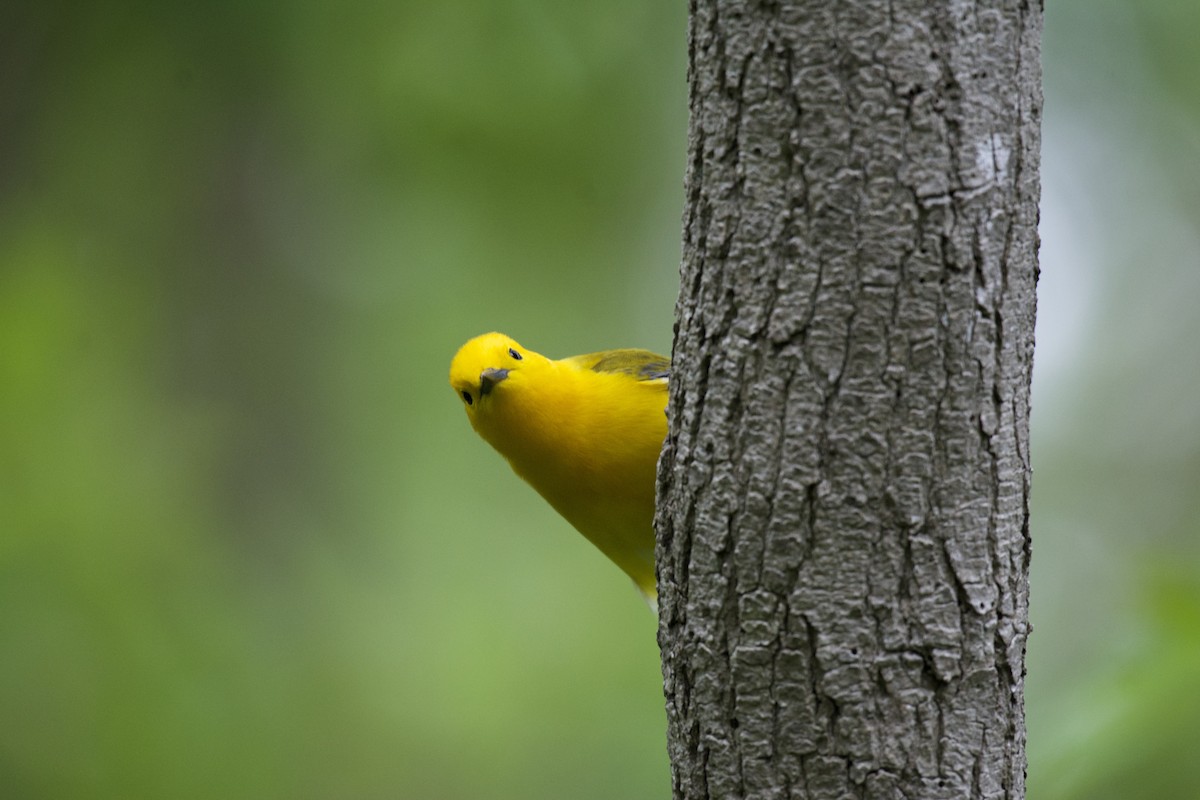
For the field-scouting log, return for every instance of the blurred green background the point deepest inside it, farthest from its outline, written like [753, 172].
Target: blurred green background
[249, 546]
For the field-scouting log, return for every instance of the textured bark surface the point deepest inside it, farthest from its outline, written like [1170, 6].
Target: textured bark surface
[844, 494]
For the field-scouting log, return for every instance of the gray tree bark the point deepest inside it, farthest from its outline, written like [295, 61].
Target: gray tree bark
[844, 494]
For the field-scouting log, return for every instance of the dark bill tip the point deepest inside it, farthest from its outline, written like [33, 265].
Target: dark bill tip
[489, 378]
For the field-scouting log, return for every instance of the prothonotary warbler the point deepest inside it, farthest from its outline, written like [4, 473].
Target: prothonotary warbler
[584, 431]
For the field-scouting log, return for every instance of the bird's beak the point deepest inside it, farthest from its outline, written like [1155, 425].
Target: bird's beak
[489, 378]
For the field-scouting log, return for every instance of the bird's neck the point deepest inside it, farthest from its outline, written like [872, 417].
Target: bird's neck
[532, 425]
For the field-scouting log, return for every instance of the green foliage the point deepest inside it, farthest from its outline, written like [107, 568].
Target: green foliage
[1128, 728]
[249, 547]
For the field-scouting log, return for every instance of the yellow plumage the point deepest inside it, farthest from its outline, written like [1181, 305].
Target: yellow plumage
[584, 431]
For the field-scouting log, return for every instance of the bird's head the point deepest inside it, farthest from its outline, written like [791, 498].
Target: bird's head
[488, 366]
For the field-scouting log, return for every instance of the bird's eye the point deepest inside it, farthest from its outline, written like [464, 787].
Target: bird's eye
[467, 397]
[516, 356]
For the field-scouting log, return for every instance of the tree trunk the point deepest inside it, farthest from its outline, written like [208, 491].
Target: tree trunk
[844, 494]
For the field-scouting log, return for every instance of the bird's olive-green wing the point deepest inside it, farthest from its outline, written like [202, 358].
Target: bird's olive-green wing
[640, 364]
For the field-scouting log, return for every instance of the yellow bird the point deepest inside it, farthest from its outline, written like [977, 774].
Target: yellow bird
[584, 431]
